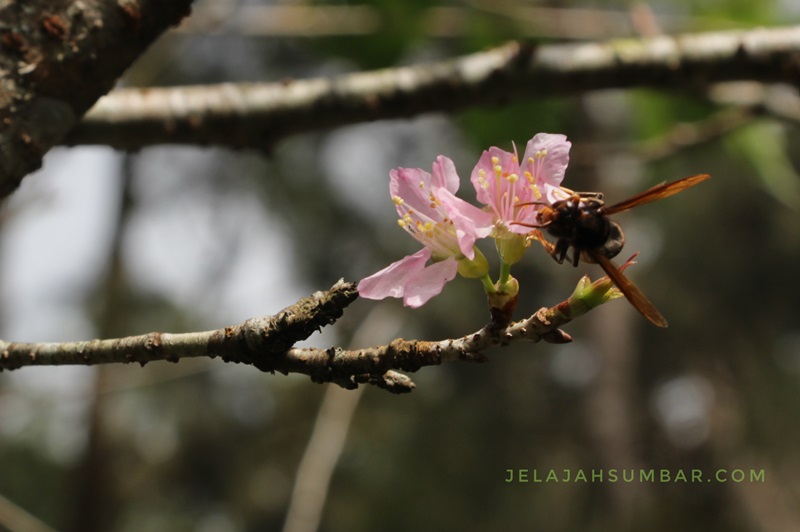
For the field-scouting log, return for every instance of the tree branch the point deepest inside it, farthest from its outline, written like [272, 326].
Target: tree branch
[442, 21]
[257, 115]
[58, 58]
[267, 343]
[256, 341]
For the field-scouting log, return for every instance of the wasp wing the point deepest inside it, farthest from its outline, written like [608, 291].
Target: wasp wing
[629, 290]
[658, 192]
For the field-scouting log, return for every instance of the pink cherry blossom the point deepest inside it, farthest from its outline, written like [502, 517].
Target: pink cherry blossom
[446, 225]
[502, 183]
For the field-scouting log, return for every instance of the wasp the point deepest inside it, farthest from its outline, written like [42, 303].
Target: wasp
[580, 221]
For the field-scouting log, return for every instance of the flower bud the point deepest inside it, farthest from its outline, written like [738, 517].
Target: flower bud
[588, 295]
[473, 268]
[511, 247]
[503, 302]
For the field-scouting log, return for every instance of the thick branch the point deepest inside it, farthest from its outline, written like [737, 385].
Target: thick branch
[256, 115]
[267, 343]
[58, 58]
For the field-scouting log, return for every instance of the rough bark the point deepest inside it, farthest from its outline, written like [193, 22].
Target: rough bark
[58, 57]
[256, 115]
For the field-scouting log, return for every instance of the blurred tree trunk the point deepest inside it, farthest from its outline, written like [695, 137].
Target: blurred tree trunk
[610, 399]
[96, 500]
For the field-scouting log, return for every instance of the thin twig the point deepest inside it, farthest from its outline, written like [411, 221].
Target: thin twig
[267, 343]
[16, 519]
[442, 21]
[322, 453]
[327, 439]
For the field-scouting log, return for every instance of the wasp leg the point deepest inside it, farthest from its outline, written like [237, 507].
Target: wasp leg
[538, 236]
[576, 257]
[560, 250]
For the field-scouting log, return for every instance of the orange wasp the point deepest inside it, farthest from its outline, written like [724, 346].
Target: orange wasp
[581, 222]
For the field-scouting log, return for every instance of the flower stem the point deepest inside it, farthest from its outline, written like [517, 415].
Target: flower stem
[488, 285]
[505, 273]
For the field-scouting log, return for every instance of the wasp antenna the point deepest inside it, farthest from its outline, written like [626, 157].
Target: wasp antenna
[528, 203]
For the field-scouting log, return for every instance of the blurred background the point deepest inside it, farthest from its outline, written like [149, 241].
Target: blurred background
[104, 244]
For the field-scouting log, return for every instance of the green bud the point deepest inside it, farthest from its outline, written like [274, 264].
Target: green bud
[511, 247]
[473, 268]
[588, 295]
[503, 302]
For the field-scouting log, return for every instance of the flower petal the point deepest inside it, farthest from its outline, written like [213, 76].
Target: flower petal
[470, 222]
[444, 174]
[413, 185]
[554, 193]
[488, 188]
[423, 285]
[546, 158]
[391, 281]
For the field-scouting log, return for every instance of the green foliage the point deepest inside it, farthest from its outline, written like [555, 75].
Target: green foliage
[735, 11]
[658, 112]
[399, 31]
[514, 123]
[762, 146]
